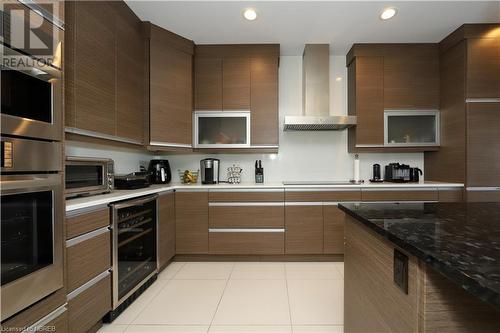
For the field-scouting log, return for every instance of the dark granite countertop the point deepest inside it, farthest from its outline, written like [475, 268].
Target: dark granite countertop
[459, 240]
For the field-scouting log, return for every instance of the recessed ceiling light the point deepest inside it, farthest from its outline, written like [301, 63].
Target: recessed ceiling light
[250, 14]
[388, 13]
[338, 78]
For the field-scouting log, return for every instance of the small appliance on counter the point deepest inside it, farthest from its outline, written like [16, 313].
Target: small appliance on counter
[259, 172]
[210, 171]
[88, 176]
[132, 180]
[159, 172]
[401, 173]
[414, 174]
[377, 178]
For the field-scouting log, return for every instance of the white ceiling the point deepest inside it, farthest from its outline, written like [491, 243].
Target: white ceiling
[294, 23]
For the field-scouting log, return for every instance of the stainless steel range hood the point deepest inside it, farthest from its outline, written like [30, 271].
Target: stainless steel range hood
[316, 94]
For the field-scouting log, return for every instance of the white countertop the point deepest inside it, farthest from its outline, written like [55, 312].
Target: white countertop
[118, 195]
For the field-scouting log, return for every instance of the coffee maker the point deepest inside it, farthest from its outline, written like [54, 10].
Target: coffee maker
[159, 172]
[209, 168]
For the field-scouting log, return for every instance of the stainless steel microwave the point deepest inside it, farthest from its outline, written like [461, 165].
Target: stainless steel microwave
[31, 98]
[88, 176]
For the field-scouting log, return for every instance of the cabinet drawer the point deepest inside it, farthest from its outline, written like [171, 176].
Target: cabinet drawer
[80, 223]
[58, 324]
[243, 196]
[247, 242]
[88, 307]
[399, 195]
[347, 195]
[87, 256]
[483, 196]
[247, 215]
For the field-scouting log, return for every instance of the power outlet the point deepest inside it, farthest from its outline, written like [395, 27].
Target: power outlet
[401, 270]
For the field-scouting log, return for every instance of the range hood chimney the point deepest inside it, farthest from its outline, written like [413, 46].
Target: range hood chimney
[316, 94]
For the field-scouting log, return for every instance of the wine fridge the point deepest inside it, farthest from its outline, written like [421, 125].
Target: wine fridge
[135, 254]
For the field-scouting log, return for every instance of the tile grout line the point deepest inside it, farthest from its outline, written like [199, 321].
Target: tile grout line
[154, 297]
[222, 295]
[288, 298]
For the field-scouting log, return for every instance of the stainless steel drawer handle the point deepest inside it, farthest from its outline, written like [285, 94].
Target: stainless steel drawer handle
[87, 236]
[88, 284]
[236, 230]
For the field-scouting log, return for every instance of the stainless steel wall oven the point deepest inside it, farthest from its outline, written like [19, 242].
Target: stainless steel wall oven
[31, 223]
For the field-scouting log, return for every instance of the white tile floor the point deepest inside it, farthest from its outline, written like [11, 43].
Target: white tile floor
[244, 297]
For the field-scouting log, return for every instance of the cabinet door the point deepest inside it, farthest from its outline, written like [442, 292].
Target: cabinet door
[483, 68]
[94, 67]
[236, 83]
[264, 101]
[411, 81]
[208, 84]
[191, 222]
[129, 77]
[170, 94]
[304, 229]
[333, 219]
[369, 100]
[166, 226]
[483, 144]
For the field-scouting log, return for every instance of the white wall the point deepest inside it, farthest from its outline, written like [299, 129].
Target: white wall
[302, 155]
[126, 160]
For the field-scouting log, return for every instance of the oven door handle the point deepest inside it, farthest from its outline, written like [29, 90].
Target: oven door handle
[27, 183]
[131, 203]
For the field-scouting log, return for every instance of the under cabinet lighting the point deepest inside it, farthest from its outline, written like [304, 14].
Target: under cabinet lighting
[388, 13]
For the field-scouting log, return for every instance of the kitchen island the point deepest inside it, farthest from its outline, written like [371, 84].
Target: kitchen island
[422, 267]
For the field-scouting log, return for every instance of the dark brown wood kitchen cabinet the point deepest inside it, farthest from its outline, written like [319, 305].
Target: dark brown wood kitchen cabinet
[166, 227]
[470, 112]
[170, 88]
[236, 83]
[483, 144]
[483, 67]
[90, 66]
[104, 88]
[240, 77]
[129, 75]
[191, 222]
[264, 100]
[389, 77]
[333, 229]
[208, 83]
[304, 229]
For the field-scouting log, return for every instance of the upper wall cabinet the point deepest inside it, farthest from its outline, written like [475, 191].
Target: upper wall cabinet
[483, 67]
[104, 76]
[170, 89]
[390, 77]
[240, 78]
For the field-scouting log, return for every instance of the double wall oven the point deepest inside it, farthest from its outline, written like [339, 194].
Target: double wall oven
[32, 198]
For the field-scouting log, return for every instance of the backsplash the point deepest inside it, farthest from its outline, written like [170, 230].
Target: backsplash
[302, 155]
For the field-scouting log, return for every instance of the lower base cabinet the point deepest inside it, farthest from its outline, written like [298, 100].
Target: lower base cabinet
[333, 229]
[89, 307]
[191, 222]
[257, 242]
[304, 228]
[166, 228]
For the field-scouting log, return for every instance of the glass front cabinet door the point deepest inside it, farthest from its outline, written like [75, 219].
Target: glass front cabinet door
[221, 129]
[411, 128]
